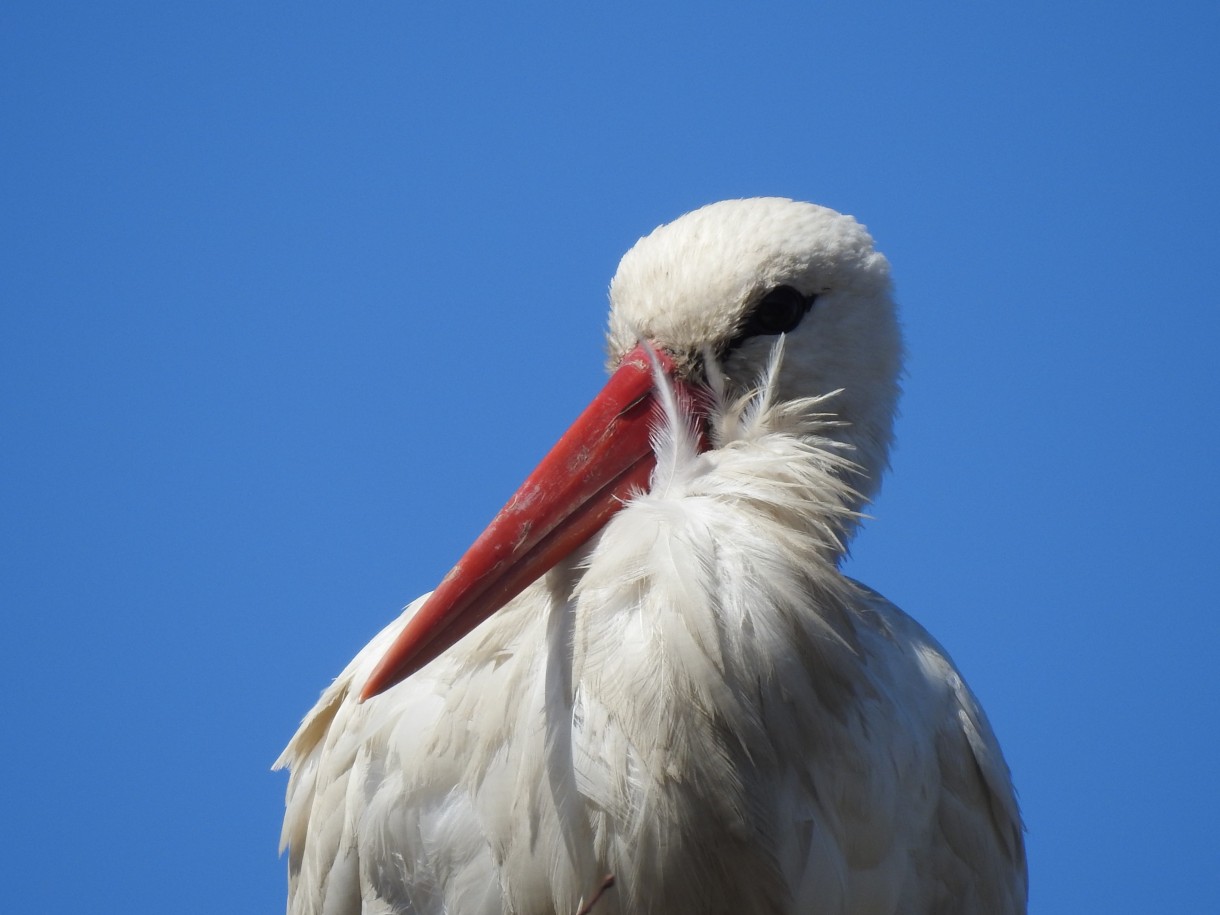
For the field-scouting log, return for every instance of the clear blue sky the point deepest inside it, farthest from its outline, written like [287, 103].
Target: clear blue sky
[293, 295]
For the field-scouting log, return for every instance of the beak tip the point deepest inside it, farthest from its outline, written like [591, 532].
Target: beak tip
[370, 689]
[381, 679]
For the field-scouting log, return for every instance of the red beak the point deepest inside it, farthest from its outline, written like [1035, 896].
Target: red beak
[604, 457]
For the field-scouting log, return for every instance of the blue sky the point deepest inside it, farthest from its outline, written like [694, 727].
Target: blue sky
[293, 295]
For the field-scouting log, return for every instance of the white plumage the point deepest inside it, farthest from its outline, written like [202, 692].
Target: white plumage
[696, 701]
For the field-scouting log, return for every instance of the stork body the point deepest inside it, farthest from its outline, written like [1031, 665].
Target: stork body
[695, 700]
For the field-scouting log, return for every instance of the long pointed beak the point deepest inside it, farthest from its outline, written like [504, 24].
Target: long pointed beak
[604, 457]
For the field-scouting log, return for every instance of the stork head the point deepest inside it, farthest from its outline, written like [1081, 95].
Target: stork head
[725, 281]
[702, 300]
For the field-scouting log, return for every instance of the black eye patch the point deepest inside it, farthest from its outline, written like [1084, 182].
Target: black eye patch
[777, 312]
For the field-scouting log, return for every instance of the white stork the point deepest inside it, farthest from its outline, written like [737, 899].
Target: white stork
[680, 689]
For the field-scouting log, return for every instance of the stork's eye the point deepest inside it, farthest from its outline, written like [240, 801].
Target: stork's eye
[778, 312]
